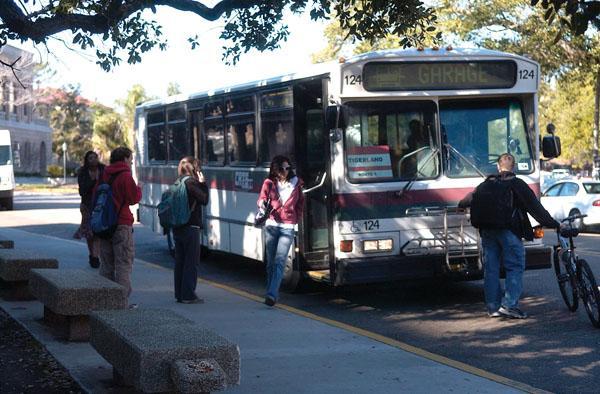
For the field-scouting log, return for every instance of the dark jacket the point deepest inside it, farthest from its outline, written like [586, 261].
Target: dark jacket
[197, 193]
[525, 202]
[125, 191]
[87, 185]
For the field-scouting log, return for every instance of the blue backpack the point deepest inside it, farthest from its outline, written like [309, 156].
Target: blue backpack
[105, 215]
[174, 208]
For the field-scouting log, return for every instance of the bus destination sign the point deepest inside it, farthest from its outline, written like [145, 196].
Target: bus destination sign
[388, 76]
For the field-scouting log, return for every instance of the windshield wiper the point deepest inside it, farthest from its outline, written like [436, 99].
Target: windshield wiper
[434, 152]
[450, 148]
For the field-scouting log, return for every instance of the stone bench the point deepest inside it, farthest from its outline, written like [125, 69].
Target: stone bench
[6, 244]
[70, 295]
[15, 267]
[157, 350]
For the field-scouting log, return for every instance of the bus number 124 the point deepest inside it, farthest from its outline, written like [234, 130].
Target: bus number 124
[353, 79]
[367, 225]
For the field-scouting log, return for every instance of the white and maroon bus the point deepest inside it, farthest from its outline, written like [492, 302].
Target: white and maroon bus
[387, 143]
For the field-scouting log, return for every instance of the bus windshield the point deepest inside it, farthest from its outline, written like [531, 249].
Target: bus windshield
[4, 155]
[391, 141]
[479, 131]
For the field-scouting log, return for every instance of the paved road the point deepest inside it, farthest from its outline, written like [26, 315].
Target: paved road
[553, 350]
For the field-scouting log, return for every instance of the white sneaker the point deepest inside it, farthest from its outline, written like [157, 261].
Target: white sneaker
[513, 313]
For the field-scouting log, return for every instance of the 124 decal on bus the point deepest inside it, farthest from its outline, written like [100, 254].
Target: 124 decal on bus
[353, 79]
[367, 225]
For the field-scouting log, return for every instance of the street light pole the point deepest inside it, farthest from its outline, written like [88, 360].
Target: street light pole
[64, 148]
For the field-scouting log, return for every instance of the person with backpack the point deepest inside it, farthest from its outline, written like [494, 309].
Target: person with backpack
[193, 192]
[283, 190]
[87, 178]
[499, 207]
[117, 247]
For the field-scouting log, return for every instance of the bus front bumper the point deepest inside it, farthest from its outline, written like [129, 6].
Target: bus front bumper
[398, 268]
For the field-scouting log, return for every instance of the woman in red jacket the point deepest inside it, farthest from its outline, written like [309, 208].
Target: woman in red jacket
[284, 189]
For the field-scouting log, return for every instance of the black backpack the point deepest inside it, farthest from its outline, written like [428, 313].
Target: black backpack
[492, 206]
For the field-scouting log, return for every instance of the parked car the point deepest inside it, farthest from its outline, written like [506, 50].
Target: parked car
[560, 173]
[573, 196]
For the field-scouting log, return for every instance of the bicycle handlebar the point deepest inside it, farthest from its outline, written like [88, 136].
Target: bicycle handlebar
[572, 218]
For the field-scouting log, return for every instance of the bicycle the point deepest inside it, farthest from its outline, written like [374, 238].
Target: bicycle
[575, 277]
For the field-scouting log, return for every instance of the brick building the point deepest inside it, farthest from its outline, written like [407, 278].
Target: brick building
[30, 134]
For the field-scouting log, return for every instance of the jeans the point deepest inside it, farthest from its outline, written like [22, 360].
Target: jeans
[116, 256]
[187, 257]
[278, 241]
[502, 247]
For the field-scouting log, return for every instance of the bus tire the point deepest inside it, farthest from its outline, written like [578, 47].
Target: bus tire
[8, 203]
[204, 252]
[292, 277]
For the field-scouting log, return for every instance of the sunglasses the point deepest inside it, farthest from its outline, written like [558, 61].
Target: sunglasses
[285, 168]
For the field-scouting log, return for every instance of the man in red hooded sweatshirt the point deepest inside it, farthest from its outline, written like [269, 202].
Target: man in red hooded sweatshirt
[117, 253]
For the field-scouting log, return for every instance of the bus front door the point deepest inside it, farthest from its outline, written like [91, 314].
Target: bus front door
[314, 164]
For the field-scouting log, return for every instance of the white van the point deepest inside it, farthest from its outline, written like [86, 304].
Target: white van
[7, 175]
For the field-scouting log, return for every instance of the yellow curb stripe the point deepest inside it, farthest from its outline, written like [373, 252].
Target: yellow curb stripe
[359, 331]
[388, 341]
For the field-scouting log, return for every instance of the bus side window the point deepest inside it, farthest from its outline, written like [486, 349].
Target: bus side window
[157, 148]
[240, 142]
[277, 127]
[214, 138]
[215, 143]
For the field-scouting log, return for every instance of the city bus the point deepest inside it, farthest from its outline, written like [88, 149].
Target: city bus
[386, 142]
[7, 175]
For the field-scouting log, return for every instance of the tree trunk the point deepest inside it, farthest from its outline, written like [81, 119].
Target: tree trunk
[596, 119]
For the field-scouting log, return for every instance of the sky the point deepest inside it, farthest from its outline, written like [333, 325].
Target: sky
[193, 70]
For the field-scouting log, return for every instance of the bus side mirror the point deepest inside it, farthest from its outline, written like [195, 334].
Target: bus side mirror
[551, 146]
[335, 117]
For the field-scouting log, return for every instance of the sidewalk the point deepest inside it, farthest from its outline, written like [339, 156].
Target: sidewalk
[282, 349]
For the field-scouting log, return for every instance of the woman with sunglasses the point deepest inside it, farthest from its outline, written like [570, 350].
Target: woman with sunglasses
[284, 189]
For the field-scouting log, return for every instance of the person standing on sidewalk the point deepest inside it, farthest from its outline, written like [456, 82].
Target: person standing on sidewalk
[187, 237]
[284, 189]
[87, 178]
[501, 239]
[117, 253]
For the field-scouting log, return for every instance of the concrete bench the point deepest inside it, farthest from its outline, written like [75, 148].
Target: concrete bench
[6, 244]
[197, 376]
[157, 350]
[15, 267]
[70, 295]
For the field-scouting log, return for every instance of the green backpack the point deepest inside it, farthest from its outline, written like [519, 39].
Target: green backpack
[174, 208]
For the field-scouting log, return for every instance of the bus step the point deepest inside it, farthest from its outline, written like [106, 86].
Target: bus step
[319, 276]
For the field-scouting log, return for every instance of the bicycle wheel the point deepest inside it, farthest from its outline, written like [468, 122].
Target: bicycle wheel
[590, 294]
[565, 276]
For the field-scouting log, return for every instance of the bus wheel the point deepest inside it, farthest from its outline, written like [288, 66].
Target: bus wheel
[292, 277]
[204, 251]
[170, 243]
[8, 203]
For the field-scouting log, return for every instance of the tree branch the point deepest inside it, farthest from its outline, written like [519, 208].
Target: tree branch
[13, 69]
[38, 27]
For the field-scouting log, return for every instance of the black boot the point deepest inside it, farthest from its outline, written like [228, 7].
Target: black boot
[94, 262]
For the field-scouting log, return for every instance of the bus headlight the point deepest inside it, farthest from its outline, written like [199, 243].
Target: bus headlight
[378, 245]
